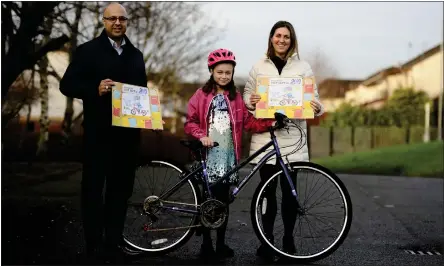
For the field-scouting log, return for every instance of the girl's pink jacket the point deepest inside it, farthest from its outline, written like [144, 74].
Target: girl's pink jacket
[196, 124]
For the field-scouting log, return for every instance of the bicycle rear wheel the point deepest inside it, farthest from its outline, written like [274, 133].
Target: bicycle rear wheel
[317, 227]
[171, 229]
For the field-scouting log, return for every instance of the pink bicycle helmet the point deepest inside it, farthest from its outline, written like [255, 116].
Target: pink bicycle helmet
[220, 55]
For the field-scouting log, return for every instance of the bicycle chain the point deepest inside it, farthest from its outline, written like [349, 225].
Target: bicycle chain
[175, 228]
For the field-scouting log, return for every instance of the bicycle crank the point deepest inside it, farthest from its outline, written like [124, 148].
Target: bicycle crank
[213, 213]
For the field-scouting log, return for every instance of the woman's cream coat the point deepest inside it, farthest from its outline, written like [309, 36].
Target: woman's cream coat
[266, 67]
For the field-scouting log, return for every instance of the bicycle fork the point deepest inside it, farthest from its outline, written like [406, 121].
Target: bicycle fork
[291, 184]
[288, 176]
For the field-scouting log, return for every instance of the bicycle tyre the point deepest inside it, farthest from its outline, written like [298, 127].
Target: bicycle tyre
[346, 228]
[189, 233]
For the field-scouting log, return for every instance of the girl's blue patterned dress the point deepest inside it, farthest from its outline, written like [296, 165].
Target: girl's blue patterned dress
[222, 158]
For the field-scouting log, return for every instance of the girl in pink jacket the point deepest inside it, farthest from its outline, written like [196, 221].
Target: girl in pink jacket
[217, 113]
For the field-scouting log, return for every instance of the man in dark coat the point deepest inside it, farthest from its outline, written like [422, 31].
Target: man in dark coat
[109, 152]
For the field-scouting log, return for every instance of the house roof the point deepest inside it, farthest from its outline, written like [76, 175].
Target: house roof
[422, 56]
[336, 88]
[380, 75]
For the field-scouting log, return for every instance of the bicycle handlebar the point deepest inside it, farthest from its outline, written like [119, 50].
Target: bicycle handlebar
[281, 121]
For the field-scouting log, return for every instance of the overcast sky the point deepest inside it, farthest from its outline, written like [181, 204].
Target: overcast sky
[358, 38]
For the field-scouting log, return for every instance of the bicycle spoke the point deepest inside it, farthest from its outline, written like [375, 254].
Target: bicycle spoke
[323, 216]
[150, 187]
[300, 227]
[323, 206]
[316, 202]
[178, 196]
[320, 197]
[165, 182]
[138, 181]
[327, 225]
[172, 227]
[311, 195]
[153, 175]
[309, 229]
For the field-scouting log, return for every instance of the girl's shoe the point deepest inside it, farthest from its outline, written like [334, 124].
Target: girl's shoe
[224, 251]
[288, 244]
[266, 253]
[207, 251]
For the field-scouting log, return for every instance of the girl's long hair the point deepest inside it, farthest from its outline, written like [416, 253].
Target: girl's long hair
[211, 87]
[293, 39]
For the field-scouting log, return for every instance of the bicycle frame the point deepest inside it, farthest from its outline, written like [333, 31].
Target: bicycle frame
[275, 151]
[207, 187]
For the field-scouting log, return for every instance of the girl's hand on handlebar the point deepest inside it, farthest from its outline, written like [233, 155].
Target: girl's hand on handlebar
[207, 141]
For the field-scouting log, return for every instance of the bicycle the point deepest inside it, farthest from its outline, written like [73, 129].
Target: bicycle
[203, 210]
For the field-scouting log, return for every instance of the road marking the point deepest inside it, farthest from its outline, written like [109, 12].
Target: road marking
[420, 252]
[376, 197]
[389, 206]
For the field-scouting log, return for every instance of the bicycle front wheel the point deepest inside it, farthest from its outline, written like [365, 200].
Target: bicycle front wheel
[160, 230]
[309, 229]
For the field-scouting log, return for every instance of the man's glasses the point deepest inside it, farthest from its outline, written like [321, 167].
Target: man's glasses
[114, 19]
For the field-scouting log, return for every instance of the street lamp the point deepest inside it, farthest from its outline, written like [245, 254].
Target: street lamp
[426, 136]
[440, 99]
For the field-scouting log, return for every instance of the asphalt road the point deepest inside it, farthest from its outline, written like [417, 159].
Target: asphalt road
[394, 220]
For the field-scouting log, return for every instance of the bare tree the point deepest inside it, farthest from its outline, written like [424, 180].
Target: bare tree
[321, 65]
[44, 97]
[175, 38]
[23, 32]
[82, 24]
[74, 33]
[21, 29]
[21, 93]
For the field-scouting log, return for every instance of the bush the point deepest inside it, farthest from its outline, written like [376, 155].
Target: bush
[403, 109]
[407, 107]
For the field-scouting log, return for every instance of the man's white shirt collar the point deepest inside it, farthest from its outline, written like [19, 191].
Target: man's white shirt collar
[114, 44]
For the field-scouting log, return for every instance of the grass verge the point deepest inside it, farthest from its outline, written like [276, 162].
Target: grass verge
[419, 160]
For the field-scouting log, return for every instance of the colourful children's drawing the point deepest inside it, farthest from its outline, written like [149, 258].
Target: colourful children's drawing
[290, 96]
[135, 106]
[135, 101]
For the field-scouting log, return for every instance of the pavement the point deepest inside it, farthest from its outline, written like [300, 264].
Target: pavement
[396, 221]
